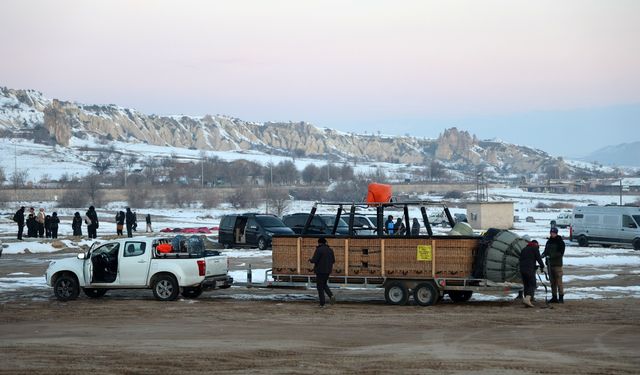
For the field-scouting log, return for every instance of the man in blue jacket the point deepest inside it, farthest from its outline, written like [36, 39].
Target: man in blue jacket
[323, 260]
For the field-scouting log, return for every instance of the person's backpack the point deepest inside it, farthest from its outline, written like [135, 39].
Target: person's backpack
[15, 217]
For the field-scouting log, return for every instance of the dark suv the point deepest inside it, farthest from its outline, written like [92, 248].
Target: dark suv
[321, 224]
[251, 230]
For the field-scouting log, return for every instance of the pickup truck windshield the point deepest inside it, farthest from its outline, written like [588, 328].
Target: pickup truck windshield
[269, 221]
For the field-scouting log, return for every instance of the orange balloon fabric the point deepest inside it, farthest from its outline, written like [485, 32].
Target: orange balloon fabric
[379, 193]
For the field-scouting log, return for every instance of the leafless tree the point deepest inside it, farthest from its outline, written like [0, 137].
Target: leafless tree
[92, 185]
[19, 178]
[3, 176]
[310, 173]
[277, 200]
[243, 198]
[103, 162]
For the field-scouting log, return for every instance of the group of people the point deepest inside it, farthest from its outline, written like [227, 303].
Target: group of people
[38, 224]
[43, 225]
[398, 228]
[530, 255]
[129, 219]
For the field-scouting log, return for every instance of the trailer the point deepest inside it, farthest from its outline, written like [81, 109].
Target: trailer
[424, 266]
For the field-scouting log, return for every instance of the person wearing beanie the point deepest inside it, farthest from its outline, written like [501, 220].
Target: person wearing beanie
[54, 223]
[528, 258]
[323, 260]
[554, 251]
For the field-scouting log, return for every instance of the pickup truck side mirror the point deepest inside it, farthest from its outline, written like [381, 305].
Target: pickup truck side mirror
[81, 256]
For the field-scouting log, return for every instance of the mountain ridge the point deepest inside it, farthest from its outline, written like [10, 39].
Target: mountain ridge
[29, 114]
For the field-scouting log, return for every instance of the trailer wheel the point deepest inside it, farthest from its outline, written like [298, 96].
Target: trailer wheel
[66, 288]
[426, 294]
[583, 241]
[194, 292]
[94, 292]
[396, 293]
[460, 295]
[165, 288]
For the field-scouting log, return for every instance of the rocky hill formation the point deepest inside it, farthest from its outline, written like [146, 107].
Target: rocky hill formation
[29, 114]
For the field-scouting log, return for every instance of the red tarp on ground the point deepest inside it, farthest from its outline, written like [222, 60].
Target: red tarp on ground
[190, 230]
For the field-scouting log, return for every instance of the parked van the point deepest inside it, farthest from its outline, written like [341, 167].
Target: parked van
[563, 220]
[251, 229]
[608, 225]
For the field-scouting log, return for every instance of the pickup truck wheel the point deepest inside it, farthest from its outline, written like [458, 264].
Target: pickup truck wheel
[94, 293]
[460, 295]
[583, 241]
[425, 294]
[396, 293]
[194, 292]
[66, 288]
[166, 288]
[262, 243]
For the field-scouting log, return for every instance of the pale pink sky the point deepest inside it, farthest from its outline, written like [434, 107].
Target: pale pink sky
[343, 64]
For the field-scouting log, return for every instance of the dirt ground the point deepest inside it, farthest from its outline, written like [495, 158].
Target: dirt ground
[129, 332]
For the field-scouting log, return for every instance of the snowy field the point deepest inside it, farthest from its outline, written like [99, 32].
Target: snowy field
[592, 272]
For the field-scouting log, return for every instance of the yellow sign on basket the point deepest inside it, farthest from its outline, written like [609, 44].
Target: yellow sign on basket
[424, 253]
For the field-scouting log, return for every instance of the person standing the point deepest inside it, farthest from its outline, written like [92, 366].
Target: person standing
[18, 217]
[47, 226]
[92, 222]
[399, 228]
[119, 222]
[554, 251]
[389, 225]
[528, 258]
[323, 260]
[40, 218]
[54, 222]
[32, 225]
[415, 227]
[148, 219]
[76, 224]
[129, 220]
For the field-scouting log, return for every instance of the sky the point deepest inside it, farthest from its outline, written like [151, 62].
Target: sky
[562, 76]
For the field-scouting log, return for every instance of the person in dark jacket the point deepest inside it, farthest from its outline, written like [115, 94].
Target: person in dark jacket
[323, 260]
[76, 224]
[135, 222]
[399, 228]
[148, 220]
[119, 222]
[54, 222]
[32, 225]
[18, 217]
[129, 220]
[47, 226]
[415, 227]
[528, 258]
[92, 222]
[554, 251]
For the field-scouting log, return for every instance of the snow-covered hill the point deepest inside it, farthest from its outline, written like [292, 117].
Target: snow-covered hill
[73, 130]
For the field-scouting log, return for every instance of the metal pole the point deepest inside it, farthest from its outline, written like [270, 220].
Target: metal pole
[621, 192]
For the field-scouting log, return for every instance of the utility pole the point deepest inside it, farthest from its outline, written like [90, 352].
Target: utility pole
[621, 191]
[202, 172]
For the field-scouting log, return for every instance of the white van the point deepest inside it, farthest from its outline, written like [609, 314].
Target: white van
[608, 225]
[563, 220]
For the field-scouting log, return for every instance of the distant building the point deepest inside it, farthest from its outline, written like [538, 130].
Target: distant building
[485, 215]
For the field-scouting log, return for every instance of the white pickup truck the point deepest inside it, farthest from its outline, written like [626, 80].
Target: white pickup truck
[136, 263]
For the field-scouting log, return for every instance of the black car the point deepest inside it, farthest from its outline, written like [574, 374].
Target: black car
[321, 224]
[251, 230]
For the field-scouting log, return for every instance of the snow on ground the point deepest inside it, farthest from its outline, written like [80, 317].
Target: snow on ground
[14, 283]
[603, 265]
